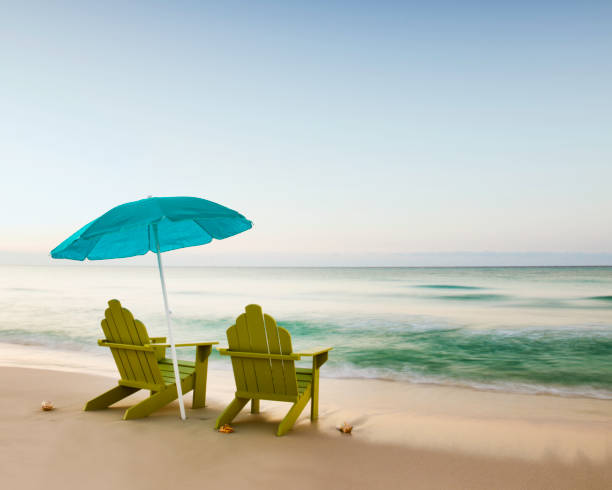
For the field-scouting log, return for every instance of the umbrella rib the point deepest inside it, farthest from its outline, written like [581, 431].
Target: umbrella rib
[204, 229]
[95, 242]
[149, 237]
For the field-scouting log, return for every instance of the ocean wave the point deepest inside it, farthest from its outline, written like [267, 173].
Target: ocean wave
[51, 339]
[474, 297]
[601, 298]
[572, 360]
[447, 286]
[568, 355]
[586, 391]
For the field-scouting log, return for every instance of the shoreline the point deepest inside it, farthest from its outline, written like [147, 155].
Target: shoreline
[99, 363]
[423, 437]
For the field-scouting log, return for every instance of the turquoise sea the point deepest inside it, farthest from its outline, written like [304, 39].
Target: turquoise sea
[537, 330]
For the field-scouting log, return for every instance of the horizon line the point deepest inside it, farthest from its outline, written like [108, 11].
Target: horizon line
[106, 263]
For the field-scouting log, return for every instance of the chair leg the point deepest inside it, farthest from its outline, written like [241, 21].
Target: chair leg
[231, 411]
[111, 396]
[201, 372]
[154, 402]
[294, 413]
[254, 405]
[158, 400]
[314, 402]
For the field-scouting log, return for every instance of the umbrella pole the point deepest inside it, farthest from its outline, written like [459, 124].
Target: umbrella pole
[177, 377]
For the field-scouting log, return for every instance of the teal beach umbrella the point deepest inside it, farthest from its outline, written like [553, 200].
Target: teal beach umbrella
[156, 224]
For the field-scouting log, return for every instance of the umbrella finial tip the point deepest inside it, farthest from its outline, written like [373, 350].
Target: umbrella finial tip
[149, 196]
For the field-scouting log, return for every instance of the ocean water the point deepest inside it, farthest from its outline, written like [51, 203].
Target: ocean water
[536, 330]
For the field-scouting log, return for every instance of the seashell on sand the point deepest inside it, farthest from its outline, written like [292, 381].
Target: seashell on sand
[226, 429]
[46, 405]
[345, 428]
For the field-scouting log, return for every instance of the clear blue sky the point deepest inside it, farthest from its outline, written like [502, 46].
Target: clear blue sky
[342, 129]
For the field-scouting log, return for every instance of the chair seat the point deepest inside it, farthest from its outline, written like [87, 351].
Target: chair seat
[304, 379]
[186, 368]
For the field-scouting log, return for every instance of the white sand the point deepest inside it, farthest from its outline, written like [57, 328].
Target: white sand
[410, 436]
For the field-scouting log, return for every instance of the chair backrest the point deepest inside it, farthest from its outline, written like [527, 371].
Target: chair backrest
[256, 332]
[134, 365]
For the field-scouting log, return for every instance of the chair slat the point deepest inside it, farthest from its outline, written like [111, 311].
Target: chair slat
[237, 362]
[276, 366]
[169, 368]
[123, 320]
[259, 344]
[149, 364]
[244, 344]
[118, 339]
[139, 337]
[115, 352]
[288, 366]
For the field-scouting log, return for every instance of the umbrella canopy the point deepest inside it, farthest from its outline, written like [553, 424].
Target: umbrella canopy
[155, 224]
[129, 229]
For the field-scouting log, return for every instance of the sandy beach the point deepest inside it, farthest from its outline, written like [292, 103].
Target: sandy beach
[405, 436]
[390, 215]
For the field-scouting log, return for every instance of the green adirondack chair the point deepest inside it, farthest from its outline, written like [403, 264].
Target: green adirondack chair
[142, 364]
[264, 369]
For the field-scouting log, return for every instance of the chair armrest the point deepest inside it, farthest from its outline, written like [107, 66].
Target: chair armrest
[185, 344]
[314, 352]
[146, 347]
[158, 340]
[319, 356]
[259, 355]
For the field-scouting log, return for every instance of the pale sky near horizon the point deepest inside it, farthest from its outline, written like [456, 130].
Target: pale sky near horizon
[338, 128]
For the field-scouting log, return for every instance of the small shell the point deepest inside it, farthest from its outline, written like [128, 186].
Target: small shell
[345, 428]
[226, 429]
[46, 405]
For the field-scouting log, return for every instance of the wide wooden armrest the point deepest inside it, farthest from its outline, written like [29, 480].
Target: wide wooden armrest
[314, 352]
[156, 340]
[185, 344]
[147, 347]
[259, 355]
